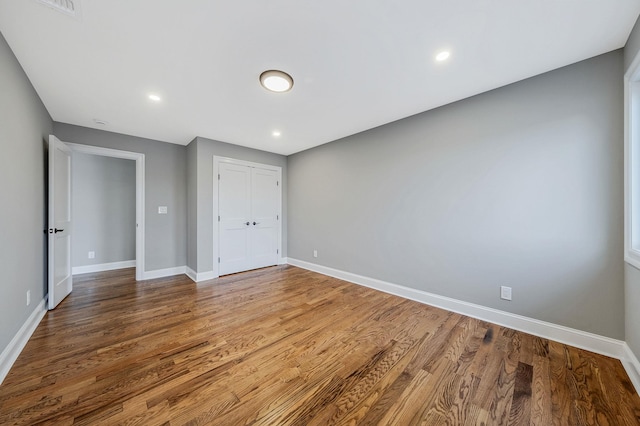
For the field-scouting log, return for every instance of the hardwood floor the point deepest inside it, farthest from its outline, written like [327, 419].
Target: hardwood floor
[285, 346]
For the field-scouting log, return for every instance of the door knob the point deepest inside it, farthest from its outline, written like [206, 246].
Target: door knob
[248, 223]
[56, 230]
[256, 223]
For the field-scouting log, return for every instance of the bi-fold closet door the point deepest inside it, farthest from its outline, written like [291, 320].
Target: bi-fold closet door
[248, 217]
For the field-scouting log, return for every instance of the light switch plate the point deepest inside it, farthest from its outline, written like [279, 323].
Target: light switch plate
[162, 209]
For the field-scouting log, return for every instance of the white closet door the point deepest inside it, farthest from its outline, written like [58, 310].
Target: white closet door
[265, 209]
[234, 206]
[249, 210]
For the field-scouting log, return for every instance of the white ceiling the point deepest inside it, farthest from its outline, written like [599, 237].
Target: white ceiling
[356, 64]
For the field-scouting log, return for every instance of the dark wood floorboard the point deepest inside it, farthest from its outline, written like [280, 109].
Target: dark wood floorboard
[285, 346]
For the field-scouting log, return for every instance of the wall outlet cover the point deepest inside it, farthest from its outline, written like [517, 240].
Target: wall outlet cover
[505, 292]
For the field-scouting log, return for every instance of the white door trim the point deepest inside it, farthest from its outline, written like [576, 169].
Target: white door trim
[139, 159]
[216, 171]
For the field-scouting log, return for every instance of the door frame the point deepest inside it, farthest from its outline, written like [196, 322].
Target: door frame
[217, 160]
[140, 217]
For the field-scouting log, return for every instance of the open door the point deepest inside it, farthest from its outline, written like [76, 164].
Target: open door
[59, 232]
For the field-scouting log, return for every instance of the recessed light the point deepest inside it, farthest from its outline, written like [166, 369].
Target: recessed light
[276, 81]
[443, 56]
[276, 133]
[155, 98]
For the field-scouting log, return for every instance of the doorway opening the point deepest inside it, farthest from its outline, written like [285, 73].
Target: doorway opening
[139, 203]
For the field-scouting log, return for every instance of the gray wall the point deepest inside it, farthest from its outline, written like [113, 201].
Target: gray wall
[202, 236]
[165, 185]
[103, 209]
[632, 275]
[24, 128]
[520, 186]
[192, 205]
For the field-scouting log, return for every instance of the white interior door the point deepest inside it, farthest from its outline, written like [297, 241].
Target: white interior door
[59, 232]
[234, 207]
[265, 214]
[249, 213]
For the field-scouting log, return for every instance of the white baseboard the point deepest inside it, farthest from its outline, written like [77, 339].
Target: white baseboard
[103, 267]
[580, 339]
[191, 274]
[632, 365]
[200, 276]
[19, 341]
[161, 273]
[146, 275]
[205, 276]
[283, 261]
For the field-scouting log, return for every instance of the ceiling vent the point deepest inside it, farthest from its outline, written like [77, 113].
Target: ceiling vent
[68, 7]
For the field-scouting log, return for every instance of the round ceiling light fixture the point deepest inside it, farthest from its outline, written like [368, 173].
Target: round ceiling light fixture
[276, 81]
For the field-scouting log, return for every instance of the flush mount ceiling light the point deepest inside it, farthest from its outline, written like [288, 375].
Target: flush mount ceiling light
[443, 56]
[154, 97]
[276, 81]
[276, 133]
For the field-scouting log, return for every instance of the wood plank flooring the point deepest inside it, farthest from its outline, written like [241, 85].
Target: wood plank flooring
[285, 346]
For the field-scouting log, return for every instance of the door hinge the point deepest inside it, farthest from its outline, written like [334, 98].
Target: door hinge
[218, 218]
[277, 251]
[218, 176]
[218, 260]
[277, 183]
[277, 217]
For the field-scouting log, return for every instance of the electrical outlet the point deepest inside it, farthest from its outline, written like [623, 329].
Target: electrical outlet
[162, 209]
[505, 293]
[315, 253]
[28, 297]
[92, 255]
